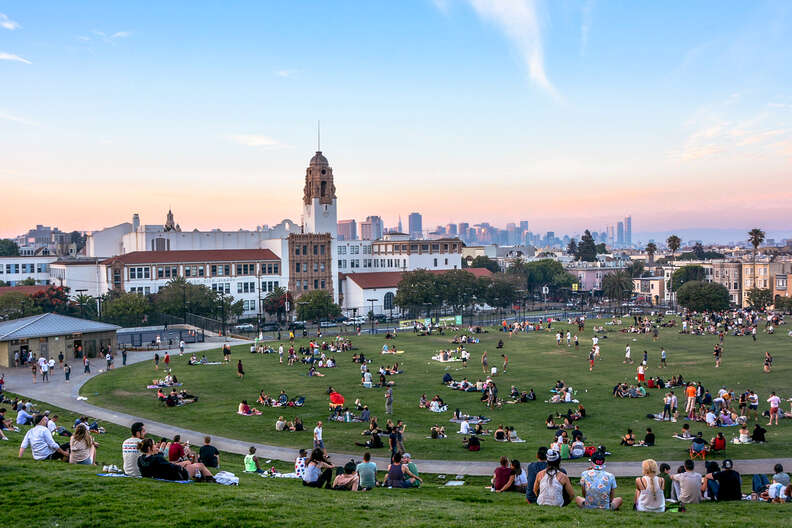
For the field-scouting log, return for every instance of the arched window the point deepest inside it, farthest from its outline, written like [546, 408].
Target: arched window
[388, 302]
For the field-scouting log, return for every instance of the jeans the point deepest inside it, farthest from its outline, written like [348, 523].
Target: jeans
[759, 483]
[325, 479]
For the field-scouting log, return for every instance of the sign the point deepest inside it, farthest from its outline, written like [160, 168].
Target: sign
[574, 286]
[545, 290]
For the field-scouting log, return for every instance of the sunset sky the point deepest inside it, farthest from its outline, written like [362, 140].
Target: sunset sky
[568, 114]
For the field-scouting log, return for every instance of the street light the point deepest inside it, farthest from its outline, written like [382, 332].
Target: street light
[371, 315]
[81, 299]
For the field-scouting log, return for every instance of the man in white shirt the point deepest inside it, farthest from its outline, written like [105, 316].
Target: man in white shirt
[775, 403]
[39, 440]
[45, 371]
[130, 451]
[318, 442]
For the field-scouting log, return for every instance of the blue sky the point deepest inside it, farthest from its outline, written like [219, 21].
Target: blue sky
[568, 114]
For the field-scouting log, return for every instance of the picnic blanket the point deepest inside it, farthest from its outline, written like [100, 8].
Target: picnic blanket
[164, 386]
[473, 420]
[207, 363]
[441, 360]
[130, 476]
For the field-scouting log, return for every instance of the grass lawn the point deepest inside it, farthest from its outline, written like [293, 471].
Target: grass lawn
[66, 495]
[534, 362]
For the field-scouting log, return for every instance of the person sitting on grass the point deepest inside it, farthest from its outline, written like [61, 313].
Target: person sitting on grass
[437, 431]
[367, 471]
[758, 434]
[684, 434]
[628, 439]
[252, 464]
[649, 438]
[502, 477]
[280, 424]
[349, 480]
[598, 487]
[649, 489]
[399, 474]
[472, 443]
[551, 483]
[208, 455]
[246, 410]
[39, 440]
[699, 445]
[318, 471]
[82, 448]
[500, 434]
[153, 464]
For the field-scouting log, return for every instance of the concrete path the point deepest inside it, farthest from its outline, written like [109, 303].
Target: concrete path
[64, 395]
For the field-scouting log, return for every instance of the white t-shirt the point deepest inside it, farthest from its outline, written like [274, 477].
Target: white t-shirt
[627, 351]
[130, 453]
[318, 433]
[774, 401]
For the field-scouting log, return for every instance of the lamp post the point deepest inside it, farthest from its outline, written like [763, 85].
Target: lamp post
[371, 315]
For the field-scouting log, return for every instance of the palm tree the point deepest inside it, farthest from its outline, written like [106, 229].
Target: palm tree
[673, 242]
[616, 284]
[755, 236]
[651, 249]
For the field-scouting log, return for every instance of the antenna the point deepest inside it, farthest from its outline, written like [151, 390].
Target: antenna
[319, 136]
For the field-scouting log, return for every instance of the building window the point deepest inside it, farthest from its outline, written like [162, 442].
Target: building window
[296, 250]
[275, 269]
[446, 262]
[321, 267]
[316, 284]
[316, 266]
[296, 267]
[132, 274]
[305, 249]
[298, 284]
[387, 302]
[316, 249]
[342, 250]
[435, 262]
[323, 284]
[160, 272]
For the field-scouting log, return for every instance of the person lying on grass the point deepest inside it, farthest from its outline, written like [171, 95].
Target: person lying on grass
[153, 464]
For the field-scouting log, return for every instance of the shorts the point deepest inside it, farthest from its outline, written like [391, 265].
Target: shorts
[773, 410]
[319, 444]
[591, 362]
[641, 377]
[753, 407]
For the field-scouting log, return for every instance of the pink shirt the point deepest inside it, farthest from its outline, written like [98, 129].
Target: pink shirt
[774, 401]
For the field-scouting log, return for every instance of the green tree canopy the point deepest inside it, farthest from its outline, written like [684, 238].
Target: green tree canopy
[483, 261]
[416, 289]
[30, 281]
[275, 302]
[572, 248]
[179, 296]
[703, 296]
[760, 298]
[8, 248]
[685, 274]
[457, 289]
[316, 305]
[499, 291]
[534, 275]
[617, 285]
[14, 305]
[587, 248]
[53, 299]
[126, 309]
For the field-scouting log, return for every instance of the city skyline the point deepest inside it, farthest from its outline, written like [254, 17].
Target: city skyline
[566, 114]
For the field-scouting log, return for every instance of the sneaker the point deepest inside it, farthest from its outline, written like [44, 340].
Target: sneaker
[105, 469]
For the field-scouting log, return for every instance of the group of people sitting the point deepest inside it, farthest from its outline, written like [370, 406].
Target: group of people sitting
[566, 420]
[436, 404]
[623, 390]
[282, 400]
[317, 471]
[292, 425]
[174, 399]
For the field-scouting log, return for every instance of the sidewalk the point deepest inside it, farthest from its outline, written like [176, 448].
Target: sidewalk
[64, 395]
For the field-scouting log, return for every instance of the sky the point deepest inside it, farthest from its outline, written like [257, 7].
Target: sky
[568, 114]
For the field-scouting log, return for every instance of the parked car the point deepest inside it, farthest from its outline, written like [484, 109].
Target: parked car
[270, 327]
[327, 324]
[297, 325]
[341, 319]
[245, 327]
[355, 321]
[380, 318]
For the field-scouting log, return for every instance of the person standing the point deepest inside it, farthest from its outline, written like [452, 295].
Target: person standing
[123, 356]
[45, 372]
[109, 360]
[663, 358]
[505, 362]
[317, 437]
[166, 360]
[484, 362]
[156, 361]
[717, 351]
[645, 360]
[641, 373]
[591, 360]
[389, 400]
[86, 365]
[51, 364]
[775, 407]
[181, 347]
[569, 339]
[240, 370]
[627, 355]
[34, 370]
[67, 372]
[280, 353]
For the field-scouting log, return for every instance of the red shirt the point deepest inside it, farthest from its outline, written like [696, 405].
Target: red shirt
[175, 452]
[502, 475]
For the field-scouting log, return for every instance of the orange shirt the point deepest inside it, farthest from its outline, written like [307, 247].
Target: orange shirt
[691, 391]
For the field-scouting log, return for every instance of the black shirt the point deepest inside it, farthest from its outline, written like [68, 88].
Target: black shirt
[208, 455]
[729, 481]
[649, 439]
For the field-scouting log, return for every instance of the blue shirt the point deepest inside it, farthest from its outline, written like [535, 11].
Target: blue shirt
[598, 485]
[312, 473]
[23, 417]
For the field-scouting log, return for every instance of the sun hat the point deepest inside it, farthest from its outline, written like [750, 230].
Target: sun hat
[552, 455]
[598, 459]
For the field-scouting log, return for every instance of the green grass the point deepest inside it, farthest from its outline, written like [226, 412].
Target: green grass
[535, 361]
[39, 494]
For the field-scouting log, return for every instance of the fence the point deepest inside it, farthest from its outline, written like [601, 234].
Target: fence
[144, 336]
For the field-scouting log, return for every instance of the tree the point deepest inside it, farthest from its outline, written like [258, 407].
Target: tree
[760, 298]
[416, 289]
[601, 248]
[499, 291]
[316, 305]
[651, 249]
[30, 281]
[685, 274]
[457, 289]
[636, 268]
[587, 249]
[225, 307]
[702, 296]
[673, 242]
[572, 248]
[755, 236]
[14, 305]
[483, 261]
[126, 309]
[8, 248]
[617, 285]
[783, 304]
[86, 304]
[275, 302]
[698, 250]
[179, 297]
[546, 272]
[53, 299]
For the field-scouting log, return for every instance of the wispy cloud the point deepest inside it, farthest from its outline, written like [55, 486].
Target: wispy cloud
[519, 21]
[5, 116]
[585, 24]
[285, 73]
[7, 23]
[257, 140]
[109, 38]
[12, 57]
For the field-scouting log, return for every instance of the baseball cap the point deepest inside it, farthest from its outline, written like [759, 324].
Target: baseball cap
[552, 455]
[728, 464]
[598, 459]
[406, 455]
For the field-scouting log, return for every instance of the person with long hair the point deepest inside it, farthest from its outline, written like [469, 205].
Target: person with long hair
[82, 447]
[153, 464]
[240, 370]
[649, 488]
[551, 483]
[319, 470]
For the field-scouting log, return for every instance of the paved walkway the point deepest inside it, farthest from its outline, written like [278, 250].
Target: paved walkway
[64, 395]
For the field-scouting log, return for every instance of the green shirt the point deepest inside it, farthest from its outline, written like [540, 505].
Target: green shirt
[368, 474]
[414, 470]
[666, 484]
[250, 463]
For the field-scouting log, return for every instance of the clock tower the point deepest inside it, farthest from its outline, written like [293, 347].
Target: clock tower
[319, 198]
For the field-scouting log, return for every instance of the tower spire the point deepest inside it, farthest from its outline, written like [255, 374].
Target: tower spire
[318, 136]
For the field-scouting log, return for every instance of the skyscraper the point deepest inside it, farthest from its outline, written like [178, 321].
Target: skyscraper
[462, 230]
[620, 234]
[628, 231]
[347, 230]
[451, 229]
[415, 222]
[372, 228]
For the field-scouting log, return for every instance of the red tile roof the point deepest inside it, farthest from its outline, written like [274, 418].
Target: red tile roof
[391, 279]
[26, 290]
[201, 255]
